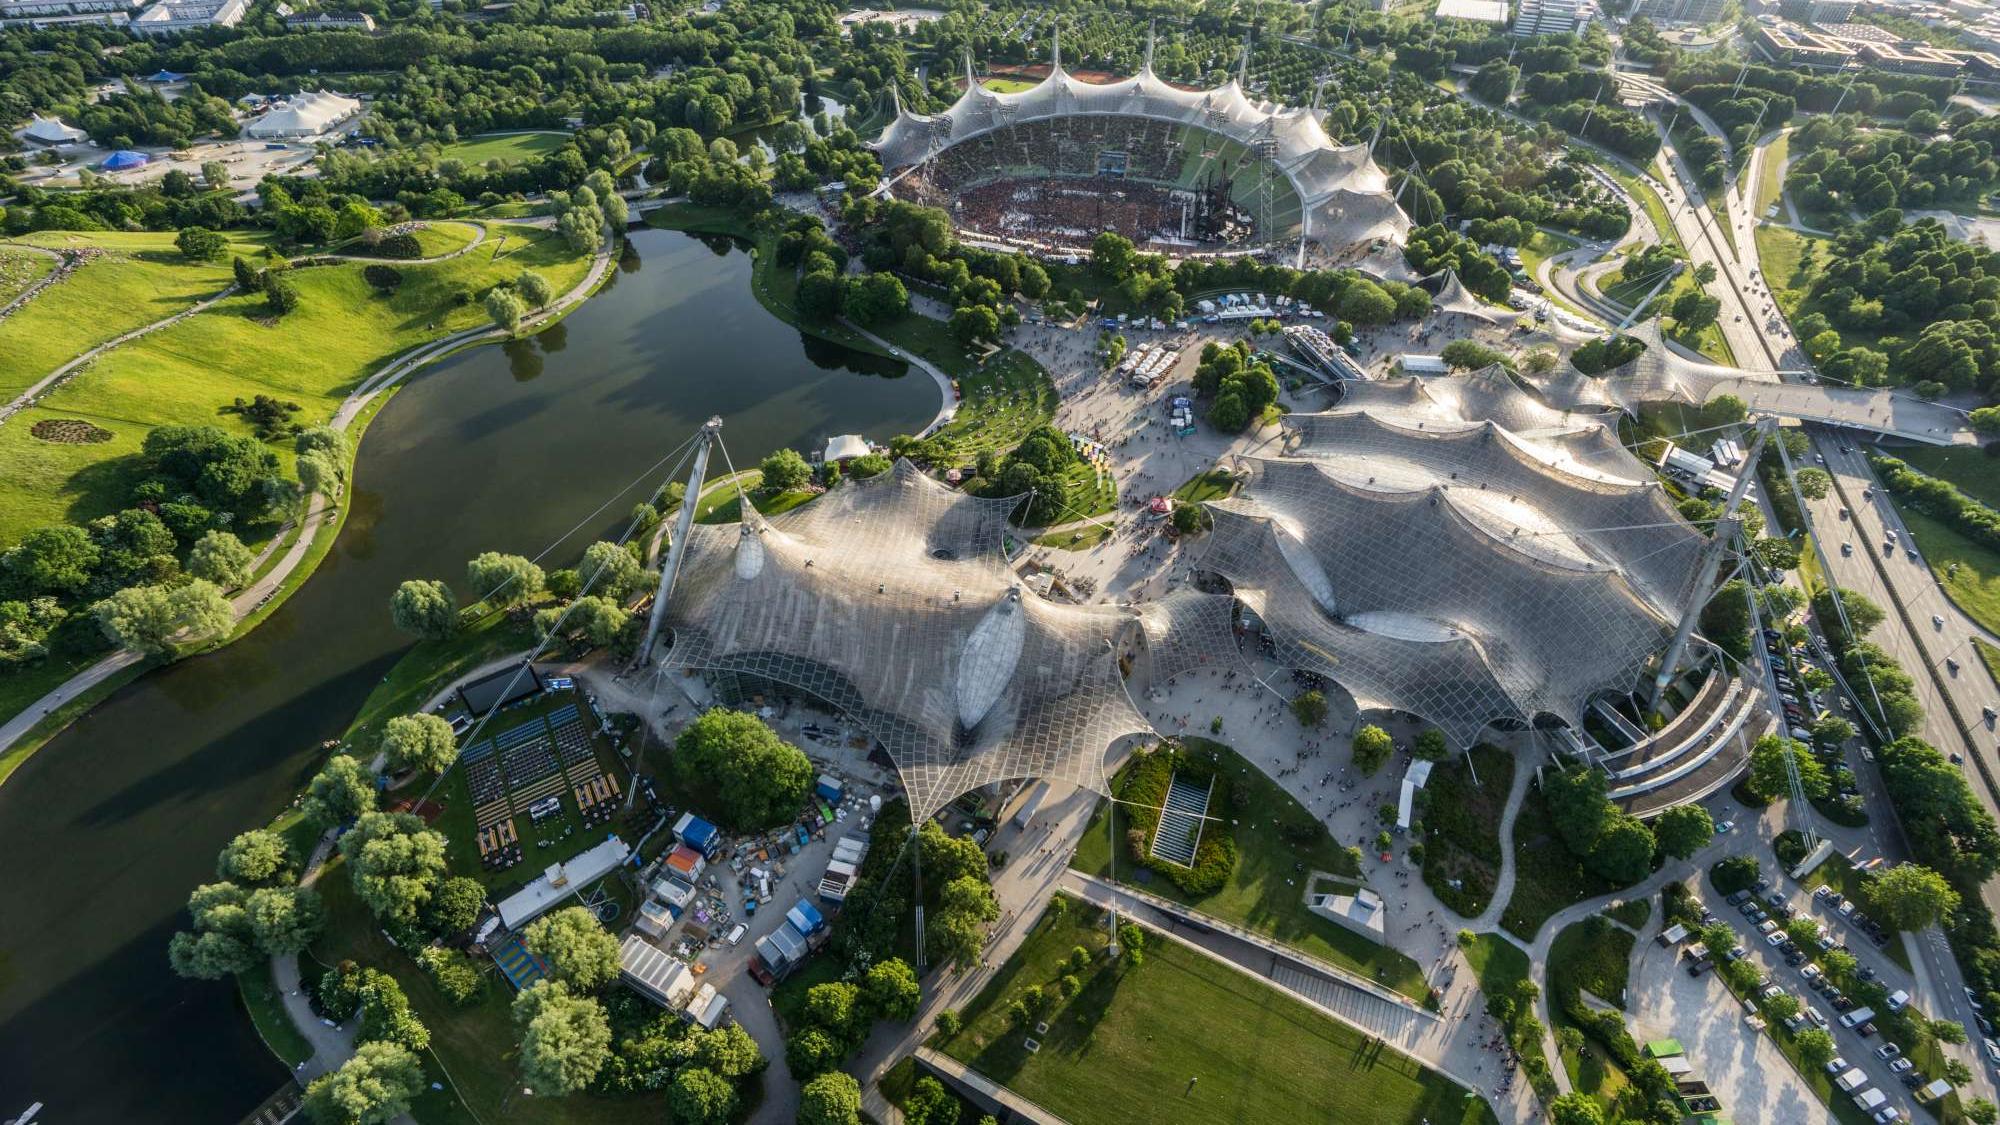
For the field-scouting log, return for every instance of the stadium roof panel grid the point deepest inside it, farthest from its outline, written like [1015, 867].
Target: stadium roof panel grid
[891, 599]
[1436, 563]
[1345, 195]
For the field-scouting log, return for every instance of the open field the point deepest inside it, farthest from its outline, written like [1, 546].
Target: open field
[510, 148]
[341, 332]
[1594, 957]
[1184, 1038]
[20, 269]
[1968, 571]
[1974, 472]
[1770, 176]
[1266, 891]
[137, 279]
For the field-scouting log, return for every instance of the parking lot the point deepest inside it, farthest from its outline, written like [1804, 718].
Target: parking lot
[1757, 1082]
[1759, 917]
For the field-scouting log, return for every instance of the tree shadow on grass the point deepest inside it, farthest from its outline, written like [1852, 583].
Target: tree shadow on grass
[102, 487]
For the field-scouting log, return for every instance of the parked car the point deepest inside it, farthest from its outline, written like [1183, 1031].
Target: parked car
[1901, 1066]
[1888, 1051]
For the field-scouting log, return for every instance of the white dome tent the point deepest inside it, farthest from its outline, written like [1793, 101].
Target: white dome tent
[307, 115]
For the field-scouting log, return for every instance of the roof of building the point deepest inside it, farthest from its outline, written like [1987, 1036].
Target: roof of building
[304, 115]
[50, 130]
[1416, 548]
[666, 980]
[1659, 374]
[845, 447]
[125, 158]
[1345, 196]
[560, 881]
[1453, 297]
[1483, 11]
[891, 599]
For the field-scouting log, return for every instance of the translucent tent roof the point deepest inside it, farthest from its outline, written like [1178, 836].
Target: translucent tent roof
[1452, 296]
[1659, 374]
[891, 599]
[1413, 549]
[1344, 195]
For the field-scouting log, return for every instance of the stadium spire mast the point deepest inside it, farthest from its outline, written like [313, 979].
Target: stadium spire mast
[1721, 536]
[1243, 63]
[1152, 37]
[711, 432]
[1056, 56]
[970, 81]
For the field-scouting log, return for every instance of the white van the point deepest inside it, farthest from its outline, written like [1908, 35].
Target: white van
[736, 933]
[1898, 1000]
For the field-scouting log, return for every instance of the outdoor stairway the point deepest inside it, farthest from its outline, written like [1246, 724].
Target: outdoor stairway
[520, 967]
[1179, 831]
[1618, 721]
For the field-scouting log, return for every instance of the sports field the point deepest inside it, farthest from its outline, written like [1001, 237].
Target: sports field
[1182, 1037]
[508, 147]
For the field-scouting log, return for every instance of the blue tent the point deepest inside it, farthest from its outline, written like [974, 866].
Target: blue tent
[164, 76]
[124, 158]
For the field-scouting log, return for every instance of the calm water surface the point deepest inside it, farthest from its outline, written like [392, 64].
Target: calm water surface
[103, 833]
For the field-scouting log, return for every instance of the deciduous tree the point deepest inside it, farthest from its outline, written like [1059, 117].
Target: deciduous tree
[580, 952]
[373, 1086]
[425, 608]
[419, 742]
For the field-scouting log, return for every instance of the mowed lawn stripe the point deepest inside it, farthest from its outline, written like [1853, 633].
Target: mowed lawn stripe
[1125, 1047]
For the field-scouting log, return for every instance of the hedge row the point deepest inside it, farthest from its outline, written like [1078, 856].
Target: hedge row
[1941, 500]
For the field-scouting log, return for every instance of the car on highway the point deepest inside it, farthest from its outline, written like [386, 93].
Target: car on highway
[1847, 549]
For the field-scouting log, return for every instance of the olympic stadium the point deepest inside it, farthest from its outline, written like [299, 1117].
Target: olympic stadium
[1177, 171]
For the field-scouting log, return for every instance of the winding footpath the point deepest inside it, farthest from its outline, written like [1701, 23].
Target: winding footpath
[319, 510]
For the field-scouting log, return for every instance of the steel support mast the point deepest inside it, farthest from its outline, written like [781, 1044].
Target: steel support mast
[711, 432]
[1720, 539]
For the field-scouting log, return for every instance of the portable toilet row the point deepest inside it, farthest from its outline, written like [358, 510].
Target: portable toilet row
[698, 834]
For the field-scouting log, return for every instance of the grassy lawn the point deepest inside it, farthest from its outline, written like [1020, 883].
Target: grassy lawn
[428, 666]
[342, 331]
[1184, 1038]
[1543, 247]
[1078, 539]
[1988, 655]
[1461, 823]
[1633, 913]
[1007, 85]
[259, 992]
[1266, 891]
[136, 280]
[20, 269]
[1975, 474]
[1592, 957]
[1215, 484]
[1779, 253]
[510, 148]
[1649, 199]
[1547, 877]
[1501, 967]
[1968, 571]
[1770, 177]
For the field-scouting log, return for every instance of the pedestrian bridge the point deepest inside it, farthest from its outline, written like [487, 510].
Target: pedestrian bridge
[1666, 373]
